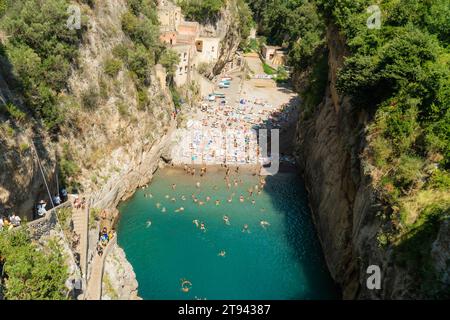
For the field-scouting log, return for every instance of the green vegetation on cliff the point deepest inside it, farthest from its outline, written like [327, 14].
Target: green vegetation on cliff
[31, 273]
[38, 54]
[202, 11]
[400, 74]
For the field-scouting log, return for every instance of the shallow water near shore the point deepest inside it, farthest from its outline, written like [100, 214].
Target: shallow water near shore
[282, 261]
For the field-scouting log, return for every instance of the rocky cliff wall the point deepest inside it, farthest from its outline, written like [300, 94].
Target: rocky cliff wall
[346, 209]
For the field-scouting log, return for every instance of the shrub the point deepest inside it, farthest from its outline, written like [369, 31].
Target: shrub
[32, 273]
[112, 66]
[13, 111]
[408, 171]
[142, 99]
[123, 109]
[90, 98]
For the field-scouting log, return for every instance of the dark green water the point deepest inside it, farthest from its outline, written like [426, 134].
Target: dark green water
[282, 261]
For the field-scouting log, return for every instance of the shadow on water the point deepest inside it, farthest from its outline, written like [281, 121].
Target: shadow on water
[296, 210]
[298, 215]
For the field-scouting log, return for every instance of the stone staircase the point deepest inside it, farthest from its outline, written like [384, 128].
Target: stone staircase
[80, 223]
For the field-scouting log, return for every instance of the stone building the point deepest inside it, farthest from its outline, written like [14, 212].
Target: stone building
[184, 38]
[207, 49]
[183, 72]
[273, 55]
[169, 16]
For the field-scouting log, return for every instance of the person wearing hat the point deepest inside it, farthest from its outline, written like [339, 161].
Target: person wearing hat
[41, 208]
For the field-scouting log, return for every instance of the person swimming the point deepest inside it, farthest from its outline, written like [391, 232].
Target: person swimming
[197, 184]
[183, 198]
[226, 219]
[173, 200]
[230, 199]
[202, 226]
[264, 224]
[222, 253]
[208, 198]
[186, 285]
[246, 229]
[196, 223]
[217, 202]
[158, 205]
[241, 198]
[253, 201]
[149, 223]
[163, 209]
[201, 203]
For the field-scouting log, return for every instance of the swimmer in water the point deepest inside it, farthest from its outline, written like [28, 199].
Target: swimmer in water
[241, 198]
[264, 224]
[222, 253]
[174, 186]
[230, 199]
[163, 209]
[195, 200]
[197, 184]
[253, 201]
[149, 223]
[202, 226]
[226, 220]
[245, 229]
[208, 198]
[183, 198]
[195, 222]
[167, 196]
[186, 285]
[217, 202]
[158, 205]
[173, 199]
[201, 203]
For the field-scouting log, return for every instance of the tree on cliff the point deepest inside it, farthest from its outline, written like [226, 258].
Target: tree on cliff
[31, 273]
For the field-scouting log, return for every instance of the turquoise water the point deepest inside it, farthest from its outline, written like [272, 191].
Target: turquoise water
[282, 261]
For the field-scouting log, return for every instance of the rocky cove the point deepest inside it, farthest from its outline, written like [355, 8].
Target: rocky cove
[118, 151]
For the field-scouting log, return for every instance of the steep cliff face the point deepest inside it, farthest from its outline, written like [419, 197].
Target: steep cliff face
[226, 28]
[330, 150]
[112, 143]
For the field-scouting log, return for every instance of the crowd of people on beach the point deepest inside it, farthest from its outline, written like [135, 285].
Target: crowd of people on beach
[225, 133]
